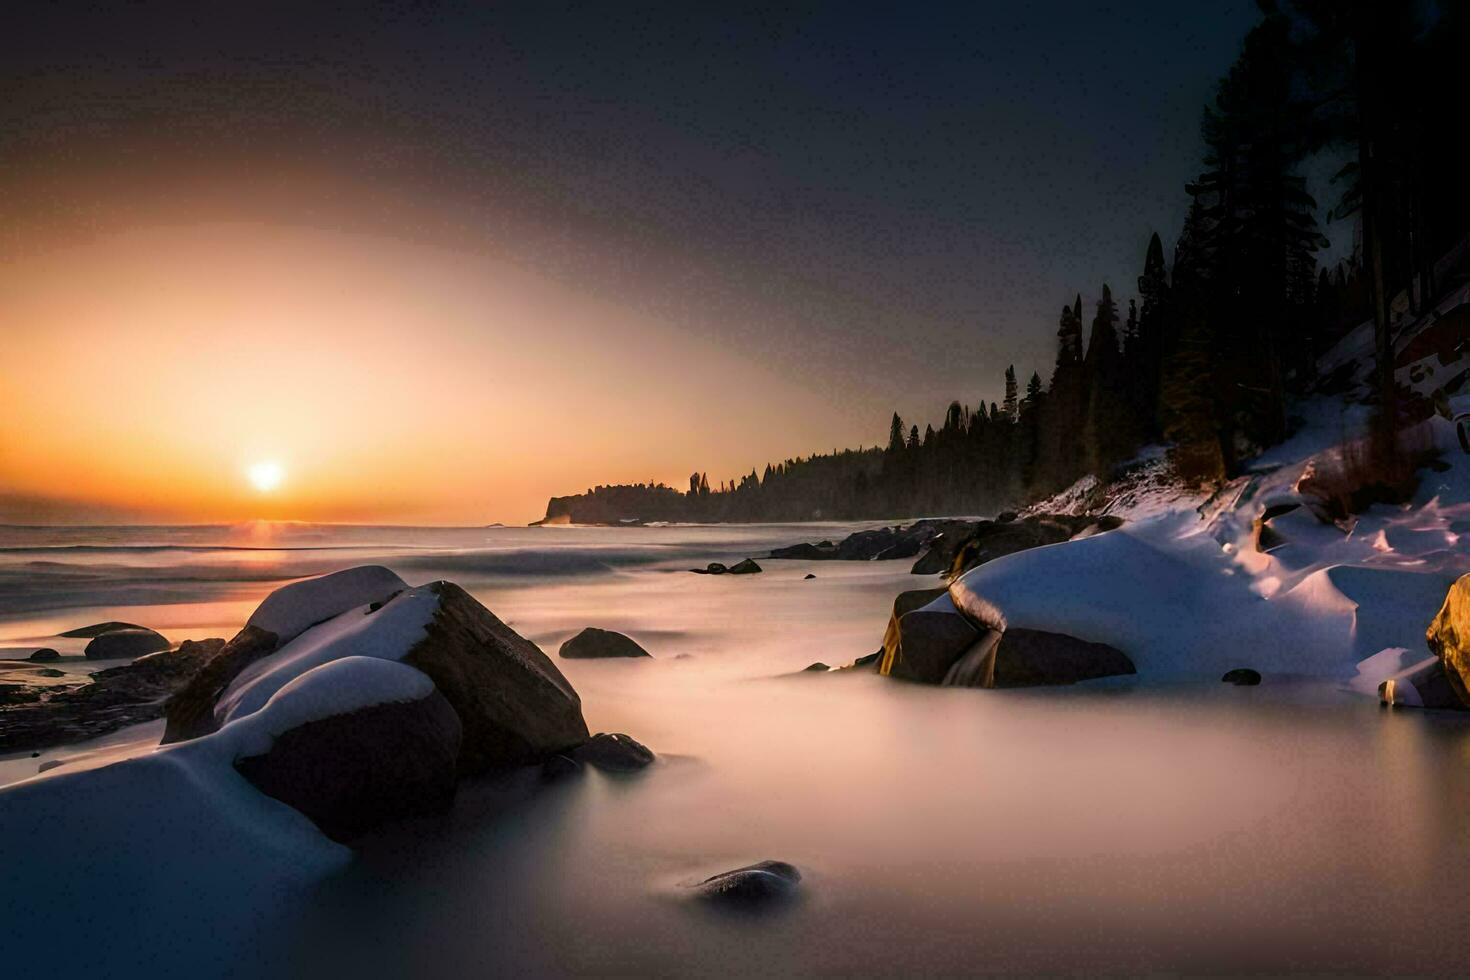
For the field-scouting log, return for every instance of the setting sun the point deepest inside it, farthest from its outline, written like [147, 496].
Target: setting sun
[265, 476]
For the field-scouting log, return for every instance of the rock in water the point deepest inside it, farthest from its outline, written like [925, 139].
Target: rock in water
[593, 643]
[754, 886]
[189, 713]
[372, 741]
[746, 567]
[809, 575]
[613, 753]
[1033, 658]
[922, 644]
[516, 707]
[1242, 677]
[713, 568]
[97, 629]
[1426, 684]
[44, 655]
[125, 644]
[818, 667]
[1448, 637]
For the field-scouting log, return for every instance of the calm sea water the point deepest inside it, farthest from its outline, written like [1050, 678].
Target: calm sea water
[1118, 828]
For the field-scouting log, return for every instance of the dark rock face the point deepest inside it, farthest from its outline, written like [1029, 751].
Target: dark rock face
[1032, 658]
[613, 753]
[122, 644]
[559, 767]
[190, 711]
[869, 661]
[746, 567]
[926, 644]
[44, 655]
[516, 707]
[115, 698]
[808, 575]
[593, 643]
[816, 668]
[97, 629]
[1448, 637]
[904, 603]
[1241, 677]
[751, 887]
[354, 771]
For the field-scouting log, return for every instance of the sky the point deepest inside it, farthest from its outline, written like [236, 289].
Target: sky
[438, 262]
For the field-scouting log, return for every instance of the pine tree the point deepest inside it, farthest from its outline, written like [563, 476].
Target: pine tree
[895, 435]
[1012, 406]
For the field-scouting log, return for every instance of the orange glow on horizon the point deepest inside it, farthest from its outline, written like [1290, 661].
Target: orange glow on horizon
[146, 371]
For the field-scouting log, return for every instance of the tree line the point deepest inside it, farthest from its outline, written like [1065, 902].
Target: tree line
[1212, 346]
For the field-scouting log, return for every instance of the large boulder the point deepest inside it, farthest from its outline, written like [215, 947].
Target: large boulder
[595, 644]
[125, 644]
[1448, 637]
[922, 644]
[354, 743]
[189, 713]
[516, 707]
[44, 655]
[293, 609]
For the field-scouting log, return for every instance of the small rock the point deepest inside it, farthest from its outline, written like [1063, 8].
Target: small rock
[596, 644]
[818, 666]
[48, 765]
[125, 644]
[43, 655]
[746, 567]
[97, 629]
[809, 575]
[1005, 517]
[713, 568]
[613, 753]
[1242, 677]
[751, 886]
[869, 660]
[49, 672]
[559, 767]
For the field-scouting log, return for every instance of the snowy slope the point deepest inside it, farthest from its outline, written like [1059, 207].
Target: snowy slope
[1184, 591]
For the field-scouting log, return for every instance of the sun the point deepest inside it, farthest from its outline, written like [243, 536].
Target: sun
[266, 475]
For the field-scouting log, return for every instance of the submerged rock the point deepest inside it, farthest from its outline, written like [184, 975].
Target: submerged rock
[713, 568]
[593, 643]
[123, 644]
[613, 753]
[1242, 677]
[351, 770]
[559, 767]
[44, 655]
[817, 667]
[809, 575]
[753, 886]
[745, 567]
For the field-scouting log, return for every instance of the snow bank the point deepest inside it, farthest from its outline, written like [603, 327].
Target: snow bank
[292, 609]
[1186, 594]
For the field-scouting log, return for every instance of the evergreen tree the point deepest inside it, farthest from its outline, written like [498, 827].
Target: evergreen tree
[1012, 406]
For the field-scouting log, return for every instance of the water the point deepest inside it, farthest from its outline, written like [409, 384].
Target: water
[1116, 828]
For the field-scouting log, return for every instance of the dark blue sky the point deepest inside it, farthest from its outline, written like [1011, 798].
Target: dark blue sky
[890, 203]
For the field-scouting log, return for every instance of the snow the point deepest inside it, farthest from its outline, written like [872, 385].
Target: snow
[292, 609]
[386, 634]
[1184, 592]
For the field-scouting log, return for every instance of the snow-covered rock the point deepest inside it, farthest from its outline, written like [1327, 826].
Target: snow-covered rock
[292, 609]
[354, 743]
